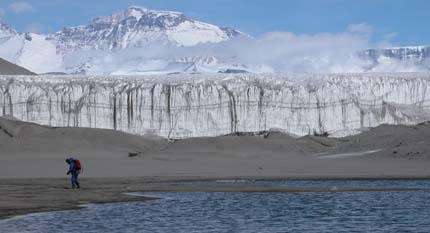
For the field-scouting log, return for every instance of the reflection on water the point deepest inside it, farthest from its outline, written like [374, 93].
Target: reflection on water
[406, 211]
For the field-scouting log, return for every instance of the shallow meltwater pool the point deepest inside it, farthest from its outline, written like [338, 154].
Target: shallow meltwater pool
[382, 211]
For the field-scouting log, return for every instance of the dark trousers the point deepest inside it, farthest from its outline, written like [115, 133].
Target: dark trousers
[75, 182]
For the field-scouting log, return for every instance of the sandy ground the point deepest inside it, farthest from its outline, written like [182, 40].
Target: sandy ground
[33, 151]
[33, 170]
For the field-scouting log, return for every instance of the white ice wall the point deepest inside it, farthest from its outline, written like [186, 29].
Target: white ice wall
[178, 106]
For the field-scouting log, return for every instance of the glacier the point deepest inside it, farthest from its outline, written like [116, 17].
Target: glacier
[203, 105]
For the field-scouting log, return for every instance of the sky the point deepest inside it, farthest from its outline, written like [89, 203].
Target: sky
[395, 22]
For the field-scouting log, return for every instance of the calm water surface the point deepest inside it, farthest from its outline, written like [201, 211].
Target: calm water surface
[406, 211]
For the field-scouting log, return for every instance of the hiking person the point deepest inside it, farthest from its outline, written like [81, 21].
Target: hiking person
[74, 169]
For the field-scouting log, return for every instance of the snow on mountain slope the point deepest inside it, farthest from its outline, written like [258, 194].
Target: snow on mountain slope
[9, 43]
[6, 30]
[95, 48]
[190, 33]
[10, 48]
[31, 51]
[40, 55]
[137, 26]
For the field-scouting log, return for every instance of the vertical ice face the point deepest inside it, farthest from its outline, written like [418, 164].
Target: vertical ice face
[210, 105]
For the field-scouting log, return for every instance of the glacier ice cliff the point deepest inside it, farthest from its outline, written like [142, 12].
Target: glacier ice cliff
[179, 106]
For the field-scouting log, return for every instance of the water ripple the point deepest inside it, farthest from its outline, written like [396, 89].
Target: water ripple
[406, 211]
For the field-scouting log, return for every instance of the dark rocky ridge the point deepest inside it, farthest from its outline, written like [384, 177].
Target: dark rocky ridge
[7, 68]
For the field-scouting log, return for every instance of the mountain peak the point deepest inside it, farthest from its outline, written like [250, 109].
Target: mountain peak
[143, 16]
[136, 12]
[141, 8]
[137, 26]
[5, 29]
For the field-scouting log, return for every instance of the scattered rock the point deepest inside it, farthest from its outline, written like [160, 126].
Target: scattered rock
[134, 154]
[171, 140]
[322, 134]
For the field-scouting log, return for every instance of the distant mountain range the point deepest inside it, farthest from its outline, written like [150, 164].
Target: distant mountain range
[411, 55]
[126, 42]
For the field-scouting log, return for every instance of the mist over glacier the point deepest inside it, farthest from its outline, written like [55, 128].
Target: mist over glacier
[272, 52]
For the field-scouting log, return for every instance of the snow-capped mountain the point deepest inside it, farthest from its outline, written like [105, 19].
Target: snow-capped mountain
[409, 56]
[89, 48]
[401, 53]
[6, 30]
[137, 26]
[143, 41]
[29, 50]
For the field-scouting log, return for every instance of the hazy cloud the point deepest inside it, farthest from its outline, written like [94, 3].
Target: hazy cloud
[385, 40]
[278, 51]
[2, 12]
[362, 28]
[289, 52]
[395, 65]
[37, 28]
[272, 52]
[21, 7]
[390, 36]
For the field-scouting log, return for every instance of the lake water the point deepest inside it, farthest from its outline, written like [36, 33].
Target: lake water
[390, 211]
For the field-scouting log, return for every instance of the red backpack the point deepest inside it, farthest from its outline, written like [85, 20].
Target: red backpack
[78, 164]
